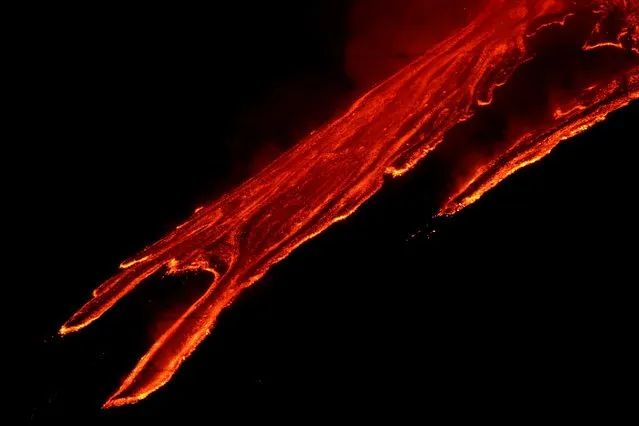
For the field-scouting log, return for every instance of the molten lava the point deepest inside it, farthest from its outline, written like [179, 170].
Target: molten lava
[495, 96]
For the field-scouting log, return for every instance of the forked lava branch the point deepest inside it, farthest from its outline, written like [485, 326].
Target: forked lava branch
[328, 175]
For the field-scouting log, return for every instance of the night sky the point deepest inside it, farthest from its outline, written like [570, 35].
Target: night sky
[137, 117]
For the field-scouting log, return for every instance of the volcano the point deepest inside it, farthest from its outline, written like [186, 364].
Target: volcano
[494, 96]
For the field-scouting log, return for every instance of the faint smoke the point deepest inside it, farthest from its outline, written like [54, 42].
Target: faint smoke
[386, 34]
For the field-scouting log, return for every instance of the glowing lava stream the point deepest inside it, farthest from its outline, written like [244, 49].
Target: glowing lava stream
[327, 176]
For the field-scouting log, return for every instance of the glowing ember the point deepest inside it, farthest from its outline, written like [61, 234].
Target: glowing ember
[434, 105]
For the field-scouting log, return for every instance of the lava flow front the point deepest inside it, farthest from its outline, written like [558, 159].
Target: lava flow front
[493, 97]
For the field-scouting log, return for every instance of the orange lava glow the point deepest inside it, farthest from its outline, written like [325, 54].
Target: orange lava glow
[433, 105]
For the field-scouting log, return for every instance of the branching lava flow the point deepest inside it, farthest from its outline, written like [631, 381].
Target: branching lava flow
[435, 105]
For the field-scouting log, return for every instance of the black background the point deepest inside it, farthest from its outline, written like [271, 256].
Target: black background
[136, 117]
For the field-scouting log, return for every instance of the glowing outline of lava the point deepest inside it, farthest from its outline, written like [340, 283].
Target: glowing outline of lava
[217, 238]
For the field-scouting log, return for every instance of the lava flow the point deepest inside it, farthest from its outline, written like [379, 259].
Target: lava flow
[493, 97]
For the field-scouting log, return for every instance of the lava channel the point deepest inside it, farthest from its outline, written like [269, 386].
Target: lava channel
[493, 97]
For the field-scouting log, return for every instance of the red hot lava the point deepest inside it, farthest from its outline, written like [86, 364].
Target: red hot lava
[493, 97]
